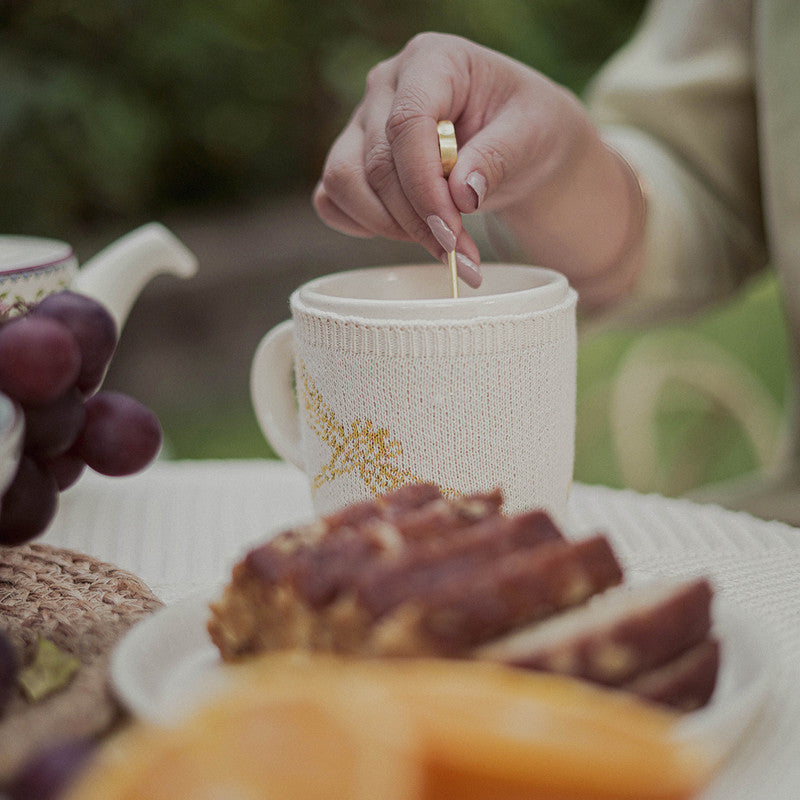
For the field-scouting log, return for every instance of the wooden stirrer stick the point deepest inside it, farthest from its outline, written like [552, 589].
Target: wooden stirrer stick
[448, 150]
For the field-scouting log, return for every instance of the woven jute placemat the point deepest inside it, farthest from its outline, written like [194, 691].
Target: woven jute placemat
[83, 606]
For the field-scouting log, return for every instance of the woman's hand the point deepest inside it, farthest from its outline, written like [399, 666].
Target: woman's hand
[527, 151]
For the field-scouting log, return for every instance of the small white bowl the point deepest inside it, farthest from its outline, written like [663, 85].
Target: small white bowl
[12, 427]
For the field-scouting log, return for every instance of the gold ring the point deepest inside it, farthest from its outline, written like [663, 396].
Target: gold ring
[448, 148]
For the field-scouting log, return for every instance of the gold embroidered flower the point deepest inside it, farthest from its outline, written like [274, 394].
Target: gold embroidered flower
[362, 446]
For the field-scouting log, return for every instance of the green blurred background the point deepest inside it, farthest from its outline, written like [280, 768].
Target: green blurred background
[215, 118]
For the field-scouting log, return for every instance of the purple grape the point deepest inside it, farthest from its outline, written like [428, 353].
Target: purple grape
[29, 503]
[66, 468]
[9, 668]
[39, 359]
[121, 436]
[48, 773]
[52, 429]
[92, 326]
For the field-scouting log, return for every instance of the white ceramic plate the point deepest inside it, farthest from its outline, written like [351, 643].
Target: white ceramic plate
[166, 663]
[163, 661]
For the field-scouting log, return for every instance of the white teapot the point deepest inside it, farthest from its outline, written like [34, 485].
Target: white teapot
[33, 267]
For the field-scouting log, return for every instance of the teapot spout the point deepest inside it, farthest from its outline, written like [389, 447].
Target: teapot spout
[118, 273]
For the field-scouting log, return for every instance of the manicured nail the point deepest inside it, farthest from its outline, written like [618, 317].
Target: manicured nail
[478, 184]
[468, 271]
[442, 232]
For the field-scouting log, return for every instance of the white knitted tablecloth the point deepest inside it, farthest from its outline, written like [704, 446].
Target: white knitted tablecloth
[181, 525]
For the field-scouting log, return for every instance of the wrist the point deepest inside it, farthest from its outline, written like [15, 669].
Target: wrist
[589, 223]
[616, 278]
[637, 215]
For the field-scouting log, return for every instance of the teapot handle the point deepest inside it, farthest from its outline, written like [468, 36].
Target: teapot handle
[273, 395]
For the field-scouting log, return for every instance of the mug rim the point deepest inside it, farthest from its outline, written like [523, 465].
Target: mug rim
[61, 253]
[547, 289]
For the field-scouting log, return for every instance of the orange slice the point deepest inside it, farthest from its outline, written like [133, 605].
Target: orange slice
[291, 744]
[302, 727]
[486, 731]
[492, 732]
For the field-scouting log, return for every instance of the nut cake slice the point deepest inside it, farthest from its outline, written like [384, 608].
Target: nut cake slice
[278, 589]
[686, 682]
[467, 606]
[615, 637]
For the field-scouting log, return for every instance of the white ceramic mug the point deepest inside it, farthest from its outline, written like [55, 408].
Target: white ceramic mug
[381, 378]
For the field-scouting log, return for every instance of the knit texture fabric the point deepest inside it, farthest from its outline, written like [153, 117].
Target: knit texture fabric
[469, 405]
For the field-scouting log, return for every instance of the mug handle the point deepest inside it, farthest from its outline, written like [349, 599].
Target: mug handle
[272, 393]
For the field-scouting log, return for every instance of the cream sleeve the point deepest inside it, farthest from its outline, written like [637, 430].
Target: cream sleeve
[678, 102]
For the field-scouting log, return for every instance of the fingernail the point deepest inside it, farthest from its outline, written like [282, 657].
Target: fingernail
[478, 184]
[442, 232]
[469, 271]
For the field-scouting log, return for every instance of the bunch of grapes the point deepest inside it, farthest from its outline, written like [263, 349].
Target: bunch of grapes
[53, 359]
